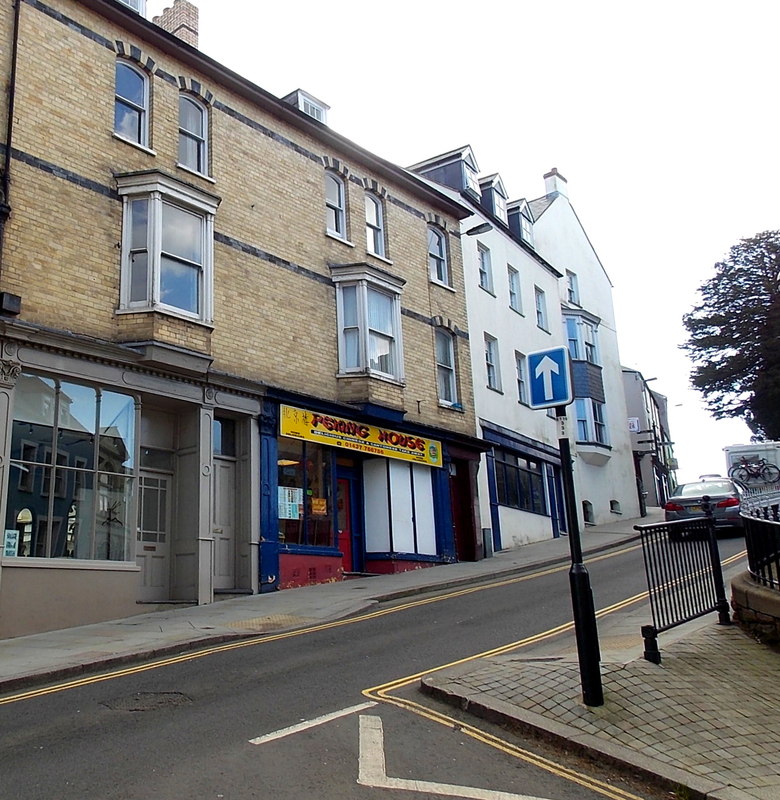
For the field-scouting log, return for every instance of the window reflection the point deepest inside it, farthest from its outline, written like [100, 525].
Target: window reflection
[305, 474]
[67, 439]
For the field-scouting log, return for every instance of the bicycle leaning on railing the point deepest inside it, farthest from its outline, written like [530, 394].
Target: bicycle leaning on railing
[759, 471]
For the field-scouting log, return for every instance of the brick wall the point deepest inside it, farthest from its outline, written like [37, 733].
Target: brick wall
[274, 303]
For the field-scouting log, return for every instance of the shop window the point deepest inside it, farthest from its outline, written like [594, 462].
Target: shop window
[73, 447]
[305, 481]
[519, 481]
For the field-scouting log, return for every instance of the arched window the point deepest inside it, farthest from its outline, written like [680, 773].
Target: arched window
[131, 104]
[335, 206]
[193, 135]
[375, 226]
[437, 256]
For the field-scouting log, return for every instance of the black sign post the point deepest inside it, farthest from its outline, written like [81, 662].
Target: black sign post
[585, 629]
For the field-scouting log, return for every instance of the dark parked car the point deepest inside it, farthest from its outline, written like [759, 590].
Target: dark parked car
[725, 496]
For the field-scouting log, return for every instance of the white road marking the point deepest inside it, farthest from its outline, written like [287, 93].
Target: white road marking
[372, 771]
[312, 723]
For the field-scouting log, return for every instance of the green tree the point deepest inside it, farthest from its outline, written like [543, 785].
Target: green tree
[734, 336]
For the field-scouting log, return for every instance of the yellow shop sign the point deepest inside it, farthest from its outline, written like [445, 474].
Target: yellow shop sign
[298, 423]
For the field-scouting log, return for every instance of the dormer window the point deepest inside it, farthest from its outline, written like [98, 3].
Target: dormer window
[526, 230]
[521, 221]
[471, 179]
[309, 104]
[493, 196]
[136, 5]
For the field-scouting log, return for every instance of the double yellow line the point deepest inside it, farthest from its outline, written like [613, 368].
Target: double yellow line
[385, 692]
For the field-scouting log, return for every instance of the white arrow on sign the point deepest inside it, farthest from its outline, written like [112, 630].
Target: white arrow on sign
[372, 771]
[546, 367]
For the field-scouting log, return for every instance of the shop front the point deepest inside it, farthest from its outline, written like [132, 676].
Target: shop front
[347, 496]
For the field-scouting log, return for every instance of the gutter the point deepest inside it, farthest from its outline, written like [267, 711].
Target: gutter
[156, 36]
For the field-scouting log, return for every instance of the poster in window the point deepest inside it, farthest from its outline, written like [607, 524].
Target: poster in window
[319, 506]
[290, 503]
[11, 543]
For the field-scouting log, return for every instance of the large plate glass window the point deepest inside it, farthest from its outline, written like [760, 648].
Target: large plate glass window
[72, 471]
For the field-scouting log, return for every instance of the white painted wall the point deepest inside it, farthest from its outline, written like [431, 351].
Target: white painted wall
[560, 237]
[491, 313]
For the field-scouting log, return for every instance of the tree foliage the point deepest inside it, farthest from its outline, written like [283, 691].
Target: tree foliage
[734, 336]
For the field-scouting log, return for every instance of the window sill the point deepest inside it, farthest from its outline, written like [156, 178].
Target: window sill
[332, 235]
[485, 289]
[137, 145]
[594, 453]
[381, 258]
[379, 376]
[68, 563]
[443, 285]
[458, 407]
[494, 389]
[517, 311]
[195, 172]
[165, 312]
[545, 330]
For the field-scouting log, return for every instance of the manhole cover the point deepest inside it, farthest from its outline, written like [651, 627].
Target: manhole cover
[147, 701]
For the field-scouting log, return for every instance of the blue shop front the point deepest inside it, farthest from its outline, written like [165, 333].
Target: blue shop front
[352, 495]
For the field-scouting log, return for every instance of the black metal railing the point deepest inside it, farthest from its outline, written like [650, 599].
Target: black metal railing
[761, 518]
[684, 576]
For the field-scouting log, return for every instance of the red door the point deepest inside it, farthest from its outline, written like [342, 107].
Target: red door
[344, 517]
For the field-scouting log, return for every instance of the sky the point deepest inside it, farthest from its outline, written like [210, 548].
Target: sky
[661, 116]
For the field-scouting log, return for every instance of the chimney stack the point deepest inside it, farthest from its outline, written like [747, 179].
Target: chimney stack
[555, 183]
[181, 19]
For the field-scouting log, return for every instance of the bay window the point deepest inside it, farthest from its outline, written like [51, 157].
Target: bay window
[167, 246]
[368, 304]
[591, 421]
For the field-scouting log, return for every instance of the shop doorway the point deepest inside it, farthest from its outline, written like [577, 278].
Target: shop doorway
[349, 538]
[153, 537]
[462, 511]
[224, 523]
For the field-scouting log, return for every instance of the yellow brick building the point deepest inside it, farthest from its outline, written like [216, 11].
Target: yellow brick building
[235, 355]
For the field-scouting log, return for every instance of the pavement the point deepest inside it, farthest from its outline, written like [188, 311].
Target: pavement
[704, 723]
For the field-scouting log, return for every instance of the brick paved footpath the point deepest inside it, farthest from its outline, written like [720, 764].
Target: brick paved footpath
[707, 717]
